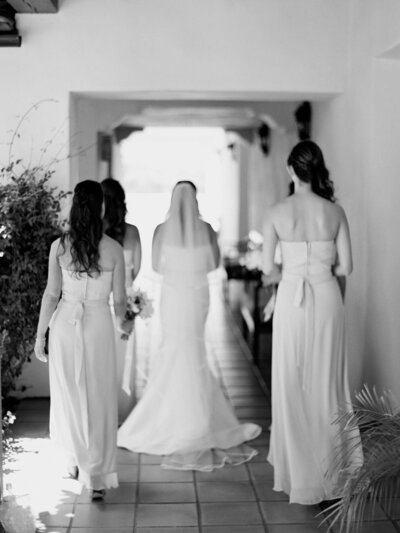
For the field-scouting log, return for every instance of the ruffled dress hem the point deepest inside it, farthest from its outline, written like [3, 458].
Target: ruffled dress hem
[98, 481]
[208, 460]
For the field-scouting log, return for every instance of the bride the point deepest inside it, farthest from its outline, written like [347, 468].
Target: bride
[183, 413]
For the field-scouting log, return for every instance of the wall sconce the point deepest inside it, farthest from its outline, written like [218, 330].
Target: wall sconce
[264, 133]
[8, 28]
[303, 121]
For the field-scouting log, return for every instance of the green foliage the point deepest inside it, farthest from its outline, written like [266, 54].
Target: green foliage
[29, 222]
[377, 481]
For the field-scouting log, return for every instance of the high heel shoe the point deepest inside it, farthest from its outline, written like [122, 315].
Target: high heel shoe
[98, 495]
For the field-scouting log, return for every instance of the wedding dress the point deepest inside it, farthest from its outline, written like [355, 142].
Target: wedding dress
[183, 413]
[83, 412]
[309, 376]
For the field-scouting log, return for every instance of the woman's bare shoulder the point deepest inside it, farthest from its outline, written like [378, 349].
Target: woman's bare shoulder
[334, 208]
[280, 209]
[55, 244]
[131, 230]
[132, 236]
[110, 244]
[159, 229]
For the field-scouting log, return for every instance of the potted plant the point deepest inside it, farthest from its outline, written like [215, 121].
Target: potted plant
[377, 481]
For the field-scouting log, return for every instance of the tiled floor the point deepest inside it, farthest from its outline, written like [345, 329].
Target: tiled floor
[152, 500]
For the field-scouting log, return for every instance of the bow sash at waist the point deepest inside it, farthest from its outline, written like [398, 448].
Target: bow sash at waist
[77, 314]
[304, 297]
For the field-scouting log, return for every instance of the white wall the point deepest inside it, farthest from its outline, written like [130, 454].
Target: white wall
[268, 49]
[359, 134]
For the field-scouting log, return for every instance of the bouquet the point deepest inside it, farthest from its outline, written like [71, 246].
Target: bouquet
[138, 304]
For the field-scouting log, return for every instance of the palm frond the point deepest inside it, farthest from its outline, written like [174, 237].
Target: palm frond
[377, 480]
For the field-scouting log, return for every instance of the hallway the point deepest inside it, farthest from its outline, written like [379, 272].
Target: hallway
[151, 500]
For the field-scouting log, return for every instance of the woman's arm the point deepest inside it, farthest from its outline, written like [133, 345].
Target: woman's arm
[344, 260]
[156, 250]
[271, 270]
[119, 294]
[133, 246]
[50, 299]
[216, 253]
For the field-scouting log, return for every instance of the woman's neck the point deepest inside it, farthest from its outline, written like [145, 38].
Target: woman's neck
[301, 188]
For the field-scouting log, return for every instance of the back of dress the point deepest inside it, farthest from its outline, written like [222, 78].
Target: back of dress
[83, 377]
[185, 266]
[308, 258]
[83, 287]
[309, 374]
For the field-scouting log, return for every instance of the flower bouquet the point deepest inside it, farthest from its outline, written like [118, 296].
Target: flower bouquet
[138, 304]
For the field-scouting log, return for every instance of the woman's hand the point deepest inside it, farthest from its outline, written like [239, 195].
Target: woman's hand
[39, 349]
[125, 327]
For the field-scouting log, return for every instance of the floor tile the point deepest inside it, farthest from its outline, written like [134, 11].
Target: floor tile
[247, 401]
[262, 440]
[127, 473]
[30, 429]
[126, 457]
[217, 491]
[234, 529]
[230, 513]
[154, 473]
[38, 404]
[111, 529]
[172, 515]
[393, 508]
[246, 392]
[262, 455]
[241, 381]
[252, 411]
[378, 527]
[51, 529]
[103, 515]
[167, 493]
[237, 364]
[265, 492]
[125, 493]
[32, 415]
[243, 372]
[297, 528]
[228, 473]
[189, 529]
[261, 471]
[148, 459]
[61, 517]
[290, 513]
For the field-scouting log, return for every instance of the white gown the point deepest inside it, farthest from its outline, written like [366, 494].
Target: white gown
[83, 411]
[183, 413]
[309, 375]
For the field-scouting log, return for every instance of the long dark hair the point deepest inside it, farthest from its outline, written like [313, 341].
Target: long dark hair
[85, 226]
[115, 209]
[308, 164]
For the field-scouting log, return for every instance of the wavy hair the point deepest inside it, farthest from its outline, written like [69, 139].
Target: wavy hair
[115, 209]
[308, 164]
[85, 226]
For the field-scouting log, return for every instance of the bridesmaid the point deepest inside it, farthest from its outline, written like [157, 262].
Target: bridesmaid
[128, 237]
[309, 359]
[84, 266]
